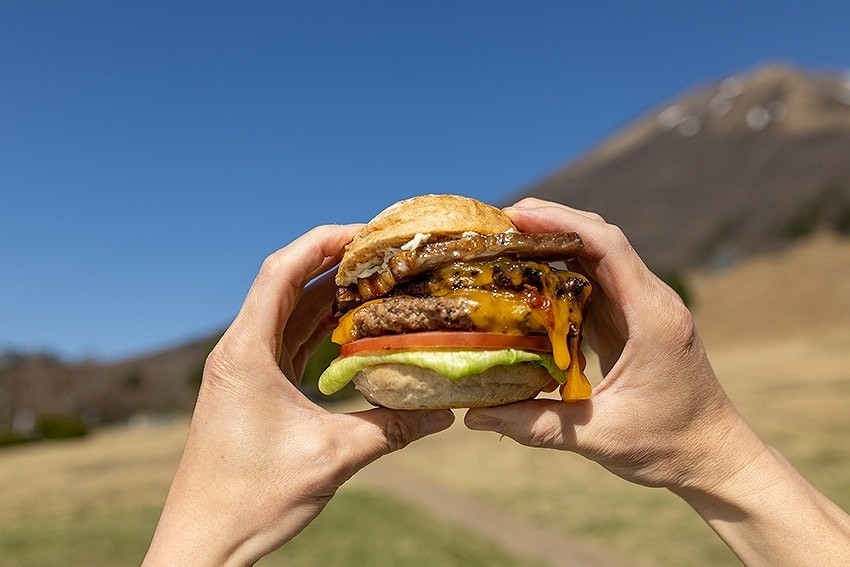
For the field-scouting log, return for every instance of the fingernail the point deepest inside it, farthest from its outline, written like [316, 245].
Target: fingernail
[485, 423]
[435, 421]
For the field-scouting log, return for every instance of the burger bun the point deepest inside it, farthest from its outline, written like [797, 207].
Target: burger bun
[437, 215]
[400, 386]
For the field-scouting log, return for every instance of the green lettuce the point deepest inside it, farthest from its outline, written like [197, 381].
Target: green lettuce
[453, 364]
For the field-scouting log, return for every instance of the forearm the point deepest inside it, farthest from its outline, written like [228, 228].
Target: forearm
[767, 513]
[207, 519]
[190, 534]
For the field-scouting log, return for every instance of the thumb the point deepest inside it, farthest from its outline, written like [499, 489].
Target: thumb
[553, 424]
[381, 431]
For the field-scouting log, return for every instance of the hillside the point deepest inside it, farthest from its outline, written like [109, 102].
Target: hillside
[164, 381]
[723, 171]
[801, 291]
[724, 185]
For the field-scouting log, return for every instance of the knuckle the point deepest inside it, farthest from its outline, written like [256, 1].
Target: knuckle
[219, 362]
[679, 328]
[222, 364]
[684, 328]
[326, 461]
[274, 269]
[618, 236]
[531, 202]
[545, 433]
[399, 432]
[330, 456]
[594, 216]
[271, 264]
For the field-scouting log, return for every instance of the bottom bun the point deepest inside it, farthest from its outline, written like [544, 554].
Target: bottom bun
[399, 386]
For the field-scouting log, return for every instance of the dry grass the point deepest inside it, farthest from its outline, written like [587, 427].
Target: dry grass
[794, 392]
[782, 357]
[793, 294]
[90, 501]
[96, 502]
[60, 476]
[94, 498]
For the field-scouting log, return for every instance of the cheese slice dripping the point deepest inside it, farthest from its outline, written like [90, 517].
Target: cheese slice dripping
[561, 315]
[555, 309]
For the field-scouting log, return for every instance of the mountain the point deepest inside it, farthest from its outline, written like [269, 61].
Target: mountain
[723, 171]
[729, 173]
[749, 303]
[41, 385]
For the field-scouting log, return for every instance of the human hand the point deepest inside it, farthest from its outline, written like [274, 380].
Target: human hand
[261, 461]
[659, 416]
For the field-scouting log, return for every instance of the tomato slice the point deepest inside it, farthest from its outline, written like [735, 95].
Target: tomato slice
[447, 339]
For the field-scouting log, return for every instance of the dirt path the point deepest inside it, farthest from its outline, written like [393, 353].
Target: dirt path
[517, 536]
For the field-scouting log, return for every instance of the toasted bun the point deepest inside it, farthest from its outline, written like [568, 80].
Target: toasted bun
[428, 214]
[400, 386]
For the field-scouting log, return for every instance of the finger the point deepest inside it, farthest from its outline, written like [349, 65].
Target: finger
[313, 305]
[308, 347]
[602, 243]
[535, 203]
[276, 289]
[545, 423]
[377, 432]
[604, 331]
[608, 257]
[605, 326]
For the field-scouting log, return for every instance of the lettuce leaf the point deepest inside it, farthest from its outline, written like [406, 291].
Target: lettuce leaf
[453, 364]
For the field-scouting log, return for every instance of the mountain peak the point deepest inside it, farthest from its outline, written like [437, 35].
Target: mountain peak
[713, 173]
[774, 95]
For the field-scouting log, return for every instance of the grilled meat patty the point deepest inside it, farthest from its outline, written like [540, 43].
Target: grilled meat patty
[408, 264]
[405, 314]
[450, 299]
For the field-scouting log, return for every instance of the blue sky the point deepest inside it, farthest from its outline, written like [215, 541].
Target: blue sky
[152, 154]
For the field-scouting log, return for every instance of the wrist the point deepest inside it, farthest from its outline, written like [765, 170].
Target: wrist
[723, 462]
[196, 528]
[766, 511]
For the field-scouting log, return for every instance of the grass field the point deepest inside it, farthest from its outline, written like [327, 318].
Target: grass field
[95, 501]
[794, 393]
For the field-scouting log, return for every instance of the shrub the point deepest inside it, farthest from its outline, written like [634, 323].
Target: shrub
[842, 221]
[132, 379]
[828, 208]
[60, 427]
[8, 438]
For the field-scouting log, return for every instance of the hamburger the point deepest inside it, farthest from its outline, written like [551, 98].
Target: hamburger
[443, 303]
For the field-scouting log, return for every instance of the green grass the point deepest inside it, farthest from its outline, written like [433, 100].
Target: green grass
[97, 536]
[363, 527]
[358, 528]
[96, 501]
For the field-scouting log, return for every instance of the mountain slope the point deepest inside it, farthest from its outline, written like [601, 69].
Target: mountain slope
[720, 172]
[795, 294]
[164, 381]
[704, 181]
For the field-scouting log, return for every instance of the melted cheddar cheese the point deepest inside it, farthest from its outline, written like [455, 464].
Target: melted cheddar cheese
[515, 298]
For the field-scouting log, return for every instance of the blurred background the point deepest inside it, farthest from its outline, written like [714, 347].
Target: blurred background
[151, 155]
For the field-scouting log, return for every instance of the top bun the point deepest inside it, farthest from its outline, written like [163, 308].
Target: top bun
[437, 215]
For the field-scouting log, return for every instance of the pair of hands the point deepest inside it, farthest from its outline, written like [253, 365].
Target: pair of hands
[261, 461]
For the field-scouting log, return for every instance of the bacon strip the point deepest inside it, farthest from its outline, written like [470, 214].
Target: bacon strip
[407, 264]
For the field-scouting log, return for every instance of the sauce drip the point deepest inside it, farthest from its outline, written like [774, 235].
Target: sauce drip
[552, 305]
